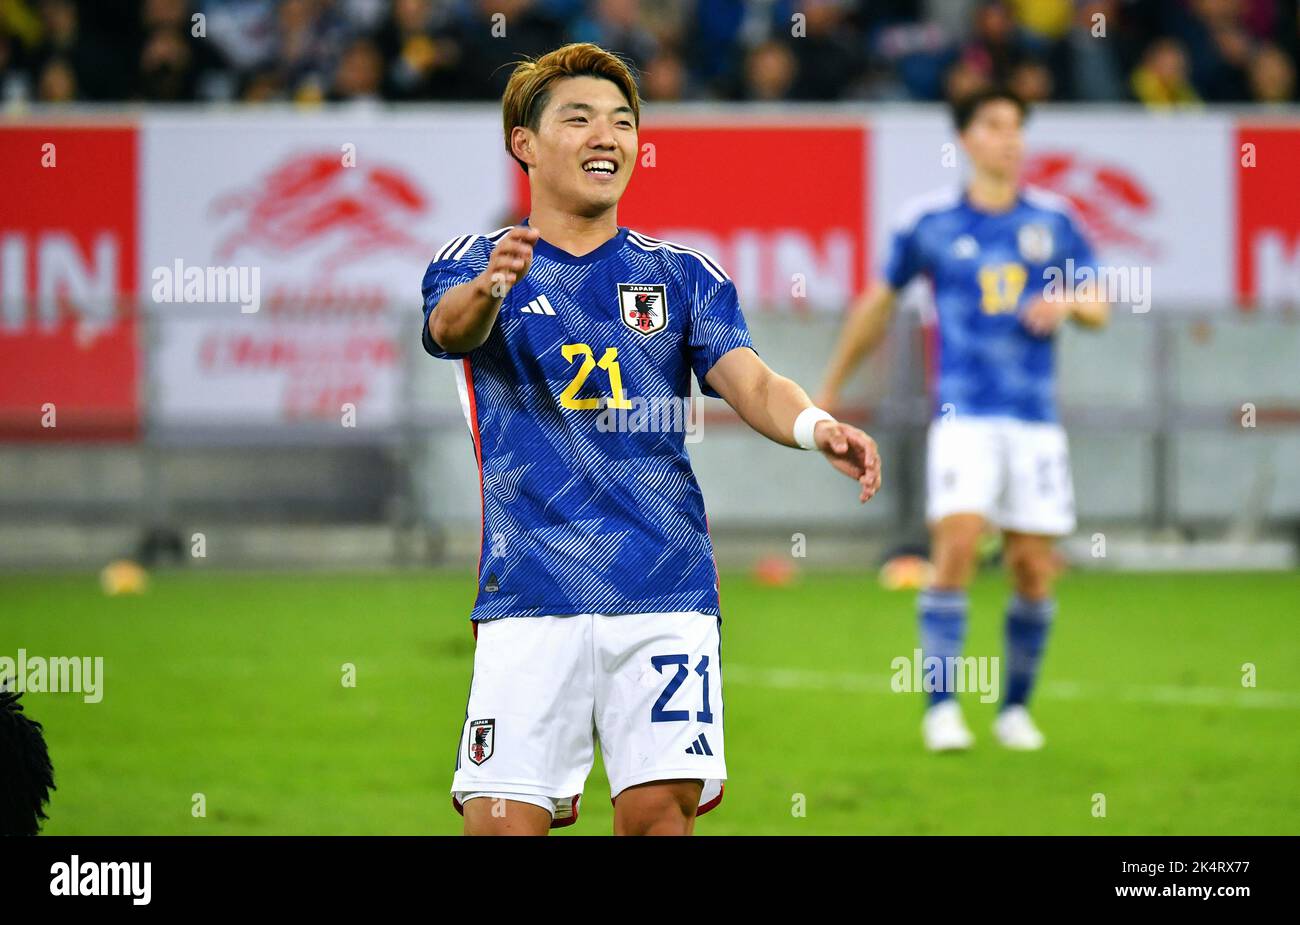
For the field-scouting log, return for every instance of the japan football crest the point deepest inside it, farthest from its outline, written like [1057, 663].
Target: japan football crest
[1035, 243]
[965, 248]
[482, 736]
[643, 307]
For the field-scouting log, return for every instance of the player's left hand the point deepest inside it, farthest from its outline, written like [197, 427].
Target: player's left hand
[852, 452]
[1042, 318]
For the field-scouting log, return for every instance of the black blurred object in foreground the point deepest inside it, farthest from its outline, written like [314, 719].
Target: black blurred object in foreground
[26, 776]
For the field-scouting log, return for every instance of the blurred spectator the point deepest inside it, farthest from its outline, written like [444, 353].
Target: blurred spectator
[97, 59]
[364, 16]
[912, 56]
[615, 25]
[829, 57]
[1043, 22]
[955, 18]
[1218, 48]
[1272, 76]
[493, 36]
[360, 73]
[244, 31]
[57, 83]
[423, 57]
[994, 49]
[962, 79]
[60, 50]
[664, 78]
[176, 65]
[1261, 18]
[1089, 63]
[263, 86]
[722, 31]
[110, 37]
[667, 21]
[15, 83]
[307, 43]
[770, 71]
[167, 71]
[1161, 79]
[1162, 52]
[20, 34]
[173, 15]
[1031, 81]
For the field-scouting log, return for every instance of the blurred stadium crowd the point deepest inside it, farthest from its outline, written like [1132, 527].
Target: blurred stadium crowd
[1157, 52]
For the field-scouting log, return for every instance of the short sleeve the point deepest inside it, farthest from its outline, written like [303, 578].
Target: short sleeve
[903, 261]
[717, 327]
[459, 261]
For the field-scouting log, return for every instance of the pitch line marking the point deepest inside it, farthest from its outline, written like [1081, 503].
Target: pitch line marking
[852, 682]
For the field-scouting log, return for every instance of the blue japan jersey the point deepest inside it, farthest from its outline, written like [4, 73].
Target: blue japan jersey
[985, 269]
[589, 501]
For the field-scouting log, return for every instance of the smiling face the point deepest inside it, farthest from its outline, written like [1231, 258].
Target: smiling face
[994, 141]
[581, 155]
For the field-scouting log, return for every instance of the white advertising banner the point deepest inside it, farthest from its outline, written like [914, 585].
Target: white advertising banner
[311, 228]
[260, 370]
[308, 226]
[1151, 190]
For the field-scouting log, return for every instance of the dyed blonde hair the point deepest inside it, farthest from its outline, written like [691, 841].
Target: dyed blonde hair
[530, 84]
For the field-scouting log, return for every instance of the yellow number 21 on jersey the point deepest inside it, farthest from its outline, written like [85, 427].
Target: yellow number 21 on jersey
[1000, 287]
[608, 362]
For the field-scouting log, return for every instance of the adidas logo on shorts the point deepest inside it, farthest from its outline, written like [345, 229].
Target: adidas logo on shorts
[700, 746]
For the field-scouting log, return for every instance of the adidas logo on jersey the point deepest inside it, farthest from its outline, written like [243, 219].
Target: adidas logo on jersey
[700, 746]
[538, 306]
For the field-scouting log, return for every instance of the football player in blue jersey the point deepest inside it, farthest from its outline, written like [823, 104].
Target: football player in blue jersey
[997, 454]
[597, 614]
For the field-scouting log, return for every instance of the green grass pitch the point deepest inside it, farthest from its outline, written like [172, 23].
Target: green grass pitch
[230, 686]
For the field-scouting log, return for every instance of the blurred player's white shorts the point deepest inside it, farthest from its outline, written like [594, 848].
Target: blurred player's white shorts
[1015, 473]
[647, 686]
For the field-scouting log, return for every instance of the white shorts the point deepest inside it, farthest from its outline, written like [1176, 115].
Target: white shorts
[648, 686]
[1015, 473]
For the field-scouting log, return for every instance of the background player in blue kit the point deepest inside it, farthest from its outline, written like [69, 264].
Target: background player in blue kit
[997, 453]
[597, 613]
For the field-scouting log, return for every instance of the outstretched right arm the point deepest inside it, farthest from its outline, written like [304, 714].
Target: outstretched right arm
[463, 317]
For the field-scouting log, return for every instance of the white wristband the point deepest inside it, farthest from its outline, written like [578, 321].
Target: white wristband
[806, 423]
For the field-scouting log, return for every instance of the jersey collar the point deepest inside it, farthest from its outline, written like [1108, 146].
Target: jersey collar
[970, 206]
[551, 252]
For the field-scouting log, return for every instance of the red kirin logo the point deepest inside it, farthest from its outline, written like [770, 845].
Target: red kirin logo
[312, 200]
[1109, 199]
